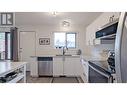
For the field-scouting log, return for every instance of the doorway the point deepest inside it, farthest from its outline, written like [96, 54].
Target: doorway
[27, 47]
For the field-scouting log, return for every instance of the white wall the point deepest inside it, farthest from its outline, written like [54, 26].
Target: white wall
[97, 50]
[46, 31]
[100, 50]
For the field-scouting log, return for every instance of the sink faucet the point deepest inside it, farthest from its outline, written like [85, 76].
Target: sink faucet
[64, 51]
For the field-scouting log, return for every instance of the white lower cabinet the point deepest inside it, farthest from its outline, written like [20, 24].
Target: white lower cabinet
[57, 66]
[34, 67]
[85, 69]
[71, 66]
[68, 66]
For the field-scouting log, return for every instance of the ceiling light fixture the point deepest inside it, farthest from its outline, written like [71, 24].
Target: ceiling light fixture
[65, 24]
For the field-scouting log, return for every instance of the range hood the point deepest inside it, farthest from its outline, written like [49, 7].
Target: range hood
[108, 31]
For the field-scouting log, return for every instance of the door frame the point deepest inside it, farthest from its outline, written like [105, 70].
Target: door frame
[20, 45]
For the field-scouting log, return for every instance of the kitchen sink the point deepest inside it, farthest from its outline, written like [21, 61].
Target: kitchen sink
[64, 55]
[59, 55]
[67, 55]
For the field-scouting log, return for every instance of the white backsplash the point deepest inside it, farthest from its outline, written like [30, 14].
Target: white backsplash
[101, 50]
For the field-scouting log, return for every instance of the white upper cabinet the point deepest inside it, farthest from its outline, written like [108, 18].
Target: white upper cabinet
[102, 20]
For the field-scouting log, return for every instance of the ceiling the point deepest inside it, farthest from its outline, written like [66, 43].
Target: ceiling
[47, 18]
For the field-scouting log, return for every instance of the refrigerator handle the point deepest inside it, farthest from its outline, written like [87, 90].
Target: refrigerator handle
[118, 43]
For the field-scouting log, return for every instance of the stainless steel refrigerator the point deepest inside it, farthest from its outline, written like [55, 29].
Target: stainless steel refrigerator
[121, 49]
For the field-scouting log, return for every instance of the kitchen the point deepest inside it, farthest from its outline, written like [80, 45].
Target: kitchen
[60, 47]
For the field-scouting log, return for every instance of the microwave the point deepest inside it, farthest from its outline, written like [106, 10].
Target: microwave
[107, 31]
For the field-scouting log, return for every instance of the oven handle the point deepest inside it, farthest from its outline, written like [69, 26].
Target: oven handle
[106, 75]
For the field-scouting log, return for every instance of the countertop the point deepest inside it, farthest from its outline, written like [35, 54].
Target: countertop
[55, 56]
[85, 57]
[6, 66]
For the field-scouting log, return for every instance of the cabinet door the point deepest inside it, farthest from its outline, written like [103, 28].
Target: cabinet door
[84, 74]
[90, 36]
[71, 67]
[79, 68]
[97, 41]
[85, 66]
[57, 66]
[87, 37]
[34, 67]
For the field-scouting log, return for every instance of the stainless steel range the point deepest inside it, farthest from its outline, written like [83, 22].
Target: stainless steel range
[99, 72]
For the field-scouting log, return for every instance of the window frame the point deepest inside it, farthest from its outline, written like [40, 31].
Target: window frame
[66, 39]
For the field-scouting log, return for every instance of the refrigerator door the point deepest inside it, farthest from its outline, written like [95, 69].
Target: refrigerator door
[121, 49]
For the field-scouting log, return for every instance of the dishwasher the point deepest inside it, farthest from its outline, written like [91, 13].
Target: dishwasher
[45, 66]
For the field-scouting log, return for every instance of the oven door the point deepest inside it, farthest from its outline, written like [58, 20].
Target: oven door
[99, 75]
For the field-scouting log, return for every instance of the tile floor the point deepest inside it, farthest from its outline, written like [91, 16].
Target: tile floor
[53, 79]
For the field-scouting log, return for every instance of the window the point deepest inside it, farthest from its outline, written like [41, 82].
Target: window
[71, 37]
[65, 40]
[60, 39]
[2, 45]
[5, 46]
